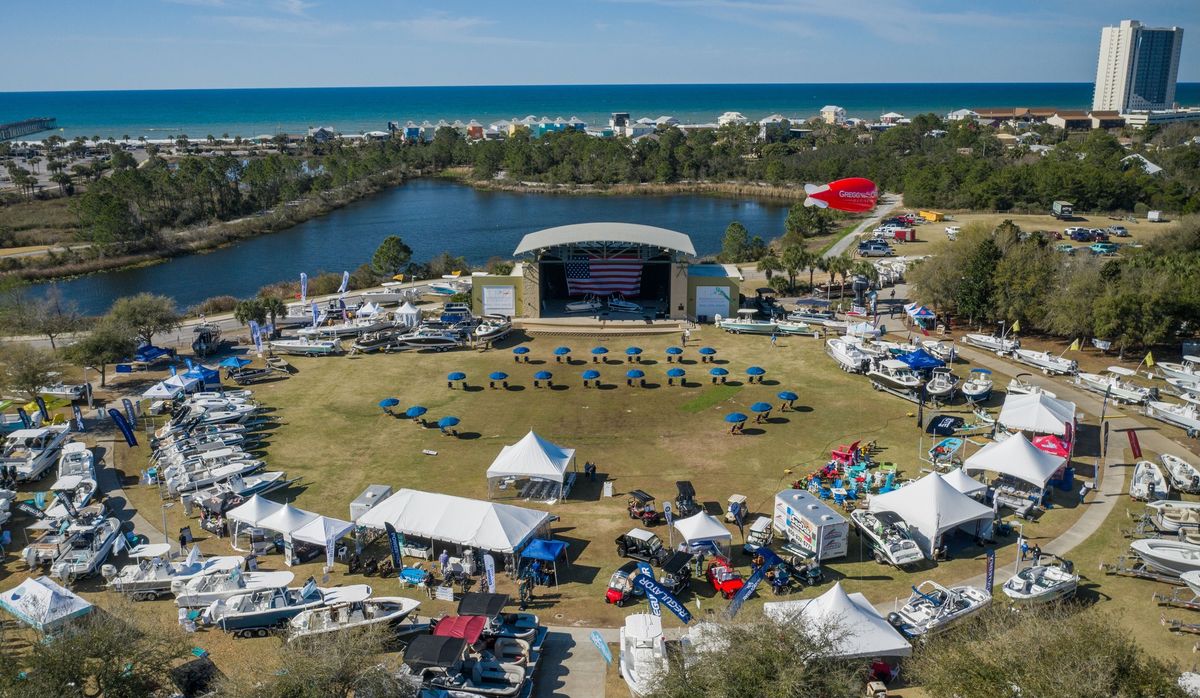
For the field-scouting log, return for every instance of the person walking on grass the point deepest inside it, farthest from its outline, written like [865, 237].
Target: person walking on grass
[774, 340]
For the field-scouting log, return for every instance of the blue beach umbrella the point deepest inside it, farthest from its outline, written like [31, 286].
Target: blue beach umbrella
[633, 351]
[674, 351]
[788, 395]
[635, 373]
[447, 422]
[521, 351]
[755, 371]
[760, 407]
[456, 376]
[735, 417]
[235, 362]
[591, 375]
[599, 351]
[562, 351]
[498, 376]
[676, 373]
[708, 351]
[543, 375]
[718, 371]
[415, 411]
[388, 402]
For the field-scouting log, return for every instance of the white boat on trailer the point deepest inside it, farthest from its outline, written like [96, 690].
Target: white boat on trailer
[152, 575]
[492, 328]
[202, 590]
[1000, 345]
[390, 293]
[889, 537]
[1188, 370]
[1184, 476]
[1187, 390]
[941, 385]
[1112, 383]
[1042, 583]
[978, 386]
[1172, 557]
[377, 610]
[642, 661]
[1148, 482]
[87, 552]
[305, 346]
[1185, 416]
[1170, 516]
[933, 608]
[895, 375]
[1049, 363]
[847, 354]
[1021, 385]
[589, 305]
[618, 304]
[746, 323]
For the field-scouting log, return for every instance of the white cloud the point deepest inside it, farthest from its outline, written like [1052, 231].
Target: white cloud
[293, 7]
[198, 3]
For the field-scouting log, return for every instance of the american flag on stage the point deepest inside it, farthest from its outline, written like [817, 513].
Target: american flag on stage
[604, 276]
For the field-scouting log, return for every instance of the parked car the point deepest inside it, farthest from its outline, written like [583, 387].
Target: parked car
[620, 586]
[1065, 248]
[875, 249]
[641, 544]
[677, 573]
[1099, 235]
[1081, 234]
[1119, 231]
[723, 578]
[1104, 248]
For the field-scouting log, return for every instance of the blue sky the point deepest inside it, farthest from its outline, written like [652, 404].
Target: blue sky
[152, 44]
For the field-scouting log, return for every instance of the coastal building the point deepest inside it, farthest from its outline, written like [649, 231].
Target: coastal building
[891, 118]
[474, 130]
[412, 132]
[666, 121]
[1106, 119]
[1070, 120]
[1138, 67]
[961, 114]
[731, 117]
[577, 123]
[322, 134]
[1142, 119]
[833, 114]
[619, 120]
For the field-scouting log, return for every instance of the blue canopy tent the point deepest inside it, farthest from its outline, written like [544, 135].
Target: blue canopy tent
[677, 373]
[761, 407]
[591, 375]
[718, 372]
[209, 377]
[708, 351]
[735, 417]
[456, 376]
[542, 376]
[149, 353]
[674, 351]
[560, 352]
[921, 360]
[543, 550]
[234, 362]
[388, 403]
[788, 396]
[447, 422]
[519, 352]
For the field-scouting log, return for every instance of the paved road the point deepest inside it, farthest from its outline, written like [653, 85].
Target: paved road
[887, 203]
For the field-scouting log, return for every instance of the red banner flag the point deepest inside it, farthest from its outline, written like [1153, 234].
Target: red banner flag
[1134, 445]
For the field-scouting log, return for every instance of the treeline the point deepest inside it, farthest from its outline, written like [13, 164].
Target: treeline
[1142, 297]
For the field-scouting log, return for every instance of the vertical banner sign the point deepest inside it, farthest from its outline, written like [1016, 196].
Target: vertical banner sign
[129, 412]
[669, 516]
[770, 559]
[739, 516]
[342, 305]
[394, 542]
[78, 418]
[88, 389]
[1134, 444]
[303, 287]
[345, 282]
[122, 425]
[171, 368]
[598, 641]
[664, 597]
[189, 363]
[644, 568]
[25, 420]
[489, 570]
[316, 314]
[270, 330]
[65, 498]
[329, 553]
[991, 570]
[41, 405]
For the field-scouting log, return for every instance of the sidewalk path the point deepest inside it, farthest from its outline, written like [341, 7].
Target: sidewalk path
[887, 203]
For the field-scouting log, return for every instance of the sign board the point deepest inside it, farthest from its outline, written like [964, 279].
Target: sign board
[991, 570]
[1134, 444]
[444, 593]
[500, 300]
[608, 488]
[598, 641]
[712, 301]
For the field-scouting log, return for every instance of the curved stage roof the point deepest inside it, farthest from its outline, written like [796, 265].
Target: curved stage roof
[631, 233]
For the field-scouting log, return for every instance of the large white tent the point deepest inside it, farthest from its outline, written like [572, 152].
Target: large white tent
[408, 315]
[1016, 457]
[252, 511]
[931, 507]
[501, 528]
[700, 529]
[43, 604]
[172, 388]
[964, 483]
[863, 632]
[322, 530]
[1037, 412]
[287, 520]
[534, 458]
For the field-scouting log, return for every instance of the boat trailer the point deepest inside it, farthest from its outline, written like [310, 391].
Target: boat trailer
[1180, 597]
[910, 395]
[1143, 526]
[1126, 566]
[1179, 626]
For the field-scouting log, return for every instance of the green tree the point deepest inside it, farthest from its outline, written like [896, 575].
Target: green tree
[974, 297]
[250, 310]
[27, 368]
[391, 257]
[806, 221]
[108, 342]
[769, 264]
[273, 306]
[146, 313]
[735, 246]
[54, 316]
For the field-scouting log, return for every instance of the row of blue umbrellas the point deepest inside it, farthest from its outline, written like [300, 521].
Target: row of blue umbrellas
[417, 411]
[600, 351]
[718, 371]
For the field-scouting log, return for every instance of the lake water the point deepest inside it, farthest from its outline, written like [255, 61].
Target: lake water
[432, 216]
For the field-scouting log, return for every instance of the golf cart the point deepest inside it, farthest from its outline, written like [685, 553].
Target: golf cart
[685, 499]
[804, 562]
[677, 573]
[759, 536]
[641, 507]
[736, 503]
[726, 580]
[640, 544]
[620, 585]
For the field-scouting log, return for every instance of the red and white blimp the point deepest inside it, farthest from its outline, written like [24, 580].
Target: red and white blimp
[854, 194]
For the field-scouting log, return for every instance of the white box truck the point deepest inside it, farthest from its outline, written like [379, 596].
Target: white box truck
[803, 519]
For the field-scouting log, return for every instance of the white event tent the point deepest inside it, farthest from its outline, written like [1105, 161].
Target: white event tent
[1037, 413]
[700, 529]
[250, 513]
[1016, 457]
[42, 604]
[408, 315]
[323, 530]
[501, 528]
[863, 631]
[172, 388]
[532, 458]
[964, 483]
[932, 507]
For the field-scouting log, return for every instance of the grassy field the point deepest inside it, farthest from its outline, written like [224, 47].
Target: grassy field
[40, 222]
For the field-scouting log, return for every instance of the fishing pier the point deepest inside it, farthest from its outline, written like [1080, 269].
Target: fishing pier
[16, 129]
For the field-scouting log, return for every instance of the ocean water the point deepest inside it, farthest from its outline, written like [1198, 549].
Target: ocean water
[157, 114]
[432, 216]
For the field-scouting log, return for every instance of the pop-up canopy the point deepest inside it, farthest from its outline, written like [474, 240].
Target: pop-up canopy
[501, 528]
[408, 315]
[964, 483]
[931, 507]
[287, 520]
[42, 604]
[254, 510]
[862, 631]
[701, 528]
[921, 360]
[1016, 457]
[532, 457]
[1036, 412]
[322, 530]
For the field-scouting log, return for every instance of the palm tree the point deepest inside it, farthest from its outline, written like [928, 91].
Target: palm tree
[794, 258]
[250, 309]
[829, 266]
[845, 265]
[62, 179]
[273, 306]
[769, 264]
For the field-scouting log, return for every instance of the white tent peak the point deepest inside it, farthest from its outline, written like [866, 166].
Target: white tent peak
[532, 456]
[287, 519]
[322, 529]
[931, 506]
[701, 527]
[1016, 457]
[1036, 412]
[963, 482]
[254, 510]
[866, 632]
